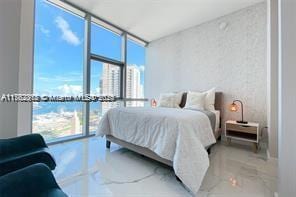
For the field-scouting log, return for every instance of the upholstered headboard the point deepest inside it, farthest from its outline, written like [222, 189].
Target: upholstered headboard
[218, 103]
[218, 100]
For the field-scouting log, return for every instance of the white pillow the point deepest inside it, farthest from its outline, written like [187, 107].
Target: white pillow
[195, 100]
[171, 100]
[210, 99]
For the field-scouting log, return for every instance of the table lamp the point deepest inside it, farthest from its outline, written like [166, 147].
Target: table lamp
[234, 108]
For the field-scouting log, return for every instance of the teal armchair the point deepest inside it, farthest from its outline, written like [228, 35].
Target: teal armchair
[20, 152]
[33, 181]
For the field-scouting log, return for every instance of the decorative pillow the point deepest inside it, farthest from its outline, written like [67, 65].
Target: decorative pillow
[195, 100]
[171, 100]
[210, 99]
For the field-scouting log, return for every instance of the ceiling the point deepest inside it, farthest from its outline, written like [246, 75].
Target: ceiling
[153, 19]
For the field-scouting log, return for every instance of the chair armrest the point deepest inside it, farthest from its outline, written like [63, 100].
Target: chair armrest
[21, 144]
[31, 180]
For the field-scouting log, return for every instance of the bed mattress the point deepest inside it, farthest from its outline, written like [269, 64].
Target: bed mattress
[174, 134]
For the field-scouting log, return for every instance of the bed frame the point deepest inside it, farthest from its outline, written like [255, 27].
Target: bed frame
[150, 154]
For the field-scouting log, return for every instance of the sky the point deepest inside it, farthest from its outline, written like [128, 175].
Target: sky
[58, 51]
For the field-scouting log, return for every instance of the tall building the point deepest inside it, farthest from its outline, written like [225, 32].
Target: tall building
[134, 89]
[110, 85]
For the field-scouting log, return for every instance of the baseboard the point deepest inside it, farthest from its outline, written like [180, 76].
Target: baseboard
[270, 157]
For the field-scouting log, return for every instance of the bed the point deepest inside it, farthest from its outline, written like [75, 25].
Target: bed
[175, 137]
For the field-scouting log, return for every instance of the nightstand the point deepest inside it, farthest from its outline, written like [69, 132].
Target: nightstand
[245, 132]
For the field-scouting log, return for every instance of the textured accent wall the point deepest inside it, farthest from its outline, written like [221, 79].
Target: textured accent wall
[228, 53]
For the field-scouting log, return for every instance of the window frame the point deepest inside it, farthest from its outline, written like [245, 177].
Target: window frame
[90, 18]
[77, 13]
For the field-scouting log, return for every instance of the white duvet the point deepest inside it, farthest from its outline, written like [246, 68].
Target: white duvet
[175, 134]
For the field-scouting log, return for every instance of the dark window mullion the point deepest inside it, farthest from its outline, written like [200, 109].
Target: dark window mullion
[86, 74]
[124, 69]
[114, 63]
[105, 59]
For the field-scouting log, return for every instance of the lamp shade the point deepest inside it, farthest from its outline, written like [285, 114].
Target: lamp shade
[233, 107]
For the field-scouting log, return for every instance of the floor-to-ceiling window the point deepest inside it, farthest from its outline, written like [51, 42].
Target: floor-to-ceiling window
[135, 73]
[106, 68]
[58, 70]
[64, 40]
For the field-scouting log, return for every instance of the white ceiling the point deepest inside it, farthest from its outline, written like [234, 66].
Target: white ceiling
[153, 19]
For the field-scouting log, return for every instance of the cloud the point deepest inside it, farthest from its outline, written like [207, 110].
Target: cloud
[96, 91]
[43, 92]
[36, 106]
[69, 90]
[70, 77]
[67, 34]
[62, 90]
[142, 68]
[43, 30]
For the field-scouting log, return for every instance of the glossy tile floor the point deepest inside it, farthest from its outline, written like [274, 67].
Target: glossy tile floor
[87, 168]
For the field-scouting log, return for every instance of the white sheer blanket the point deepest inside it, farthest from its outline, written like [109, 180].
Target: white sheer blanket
[175, 134]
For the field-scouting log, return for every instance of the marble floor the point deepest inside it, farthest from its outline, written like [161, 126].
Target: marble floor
[86, 168]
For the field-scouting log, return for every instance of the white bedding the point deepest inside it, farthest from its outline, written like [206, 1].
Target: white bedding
[174, 134]
[217, 114]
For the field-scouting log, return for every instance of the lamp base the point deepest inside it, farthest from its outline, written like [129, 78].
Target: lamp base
[242, 122]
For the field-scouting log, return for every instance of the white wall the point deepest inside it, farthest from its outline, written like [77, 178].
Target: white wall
[287, 100]
[232, 59]
[16, 60]
[272, 77]
[10, 11]
[26, 66]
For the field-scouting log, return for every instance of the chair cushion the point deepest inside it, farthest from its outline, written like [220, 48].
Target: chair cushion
[31, 181]
[53, 193]
[23, 159]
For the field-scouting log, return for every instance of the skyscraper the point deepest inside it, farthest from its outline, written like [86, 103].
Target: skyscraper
[134, 89]
[110, 85]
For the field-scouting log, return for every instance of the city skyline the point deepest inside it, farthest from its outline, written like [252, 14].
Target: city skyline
[54, 124]
[110, 85]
